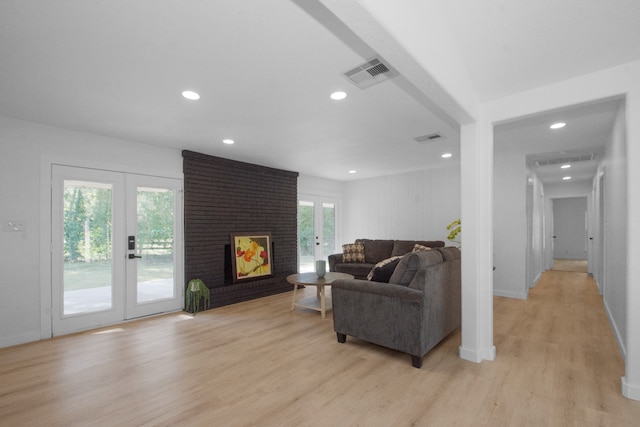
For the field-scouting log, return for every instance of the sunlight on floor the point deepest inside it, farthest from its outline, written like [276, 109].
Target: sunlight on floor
[109, 331]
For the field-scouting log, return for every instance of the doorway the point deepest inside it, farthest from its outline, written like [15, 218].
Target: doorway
[316, 230]
[570, 234]
[116, 247]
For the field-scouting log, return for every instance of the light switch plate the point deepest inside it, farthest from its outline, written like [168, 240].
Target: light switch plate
[12, 225]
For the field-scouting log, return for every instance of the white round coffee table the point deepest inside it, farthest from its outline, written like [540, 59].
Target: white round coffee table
[319, 302]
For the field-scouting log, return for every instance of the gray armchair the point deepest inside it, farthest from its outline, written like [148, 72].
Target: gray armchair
[414, 312]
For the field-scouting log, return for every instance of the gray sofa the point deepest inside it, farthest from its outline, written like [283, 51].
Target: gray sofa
[414, 312]
[374, 252]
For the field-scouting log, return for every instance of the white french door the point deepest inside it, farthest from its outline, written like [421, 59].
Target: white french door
[316, 230]
[116, 247]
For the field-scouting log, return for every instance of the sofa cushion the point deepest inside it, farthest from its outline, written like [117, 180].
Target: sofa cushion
[376, 250]
[417, 247]
[353, 252]
[411, 263]
[401, 247]
[383, 270]
[450, 252]
[357, 269]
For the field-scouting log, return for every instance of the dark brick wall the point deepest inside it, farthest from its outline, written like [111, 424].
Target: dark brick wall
[224, 196]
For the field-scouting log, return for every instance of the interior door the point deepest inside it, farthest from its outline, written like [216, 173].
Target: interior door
[116, 247]
[570, 228]
[316, 230]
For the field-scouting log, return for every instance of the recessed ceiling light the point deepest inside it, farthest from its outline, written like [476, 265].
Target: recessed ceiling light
[446, 155]
[338, 95]
[558, 125]
[189, 94]
[565, 166]
[352, 171]
[566, 178]
[228, 141]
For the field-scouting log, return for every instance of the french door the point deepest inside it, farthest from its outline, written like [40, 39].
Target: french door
[316, 230]
[116, 247]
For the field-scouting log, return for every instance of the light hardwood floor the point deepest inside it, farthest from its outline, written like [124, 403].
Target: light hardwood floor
[258, 363]
[577, 265]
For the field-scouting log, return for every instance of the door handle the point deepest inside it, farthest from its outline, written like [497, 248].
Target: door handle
[132, 256]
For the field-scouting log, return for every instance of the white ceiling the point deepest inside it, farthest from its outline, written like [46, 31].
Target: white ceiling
[585, 134]
[514, 45]
[265, 70]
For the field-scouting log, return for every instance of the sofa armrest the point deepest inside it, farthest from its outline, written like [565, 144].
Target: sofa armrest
[333, 260]
[385, 314]
[441, 285]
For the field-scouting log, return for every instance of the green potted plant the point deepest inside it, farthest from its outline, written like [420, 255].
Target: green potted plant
[454, 228]
[196, 293]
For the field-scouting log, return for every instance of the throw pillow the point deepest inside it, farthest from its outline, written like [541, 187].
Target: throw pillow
[405, 270]
[418, 247]
[382, 271]
[353, 252]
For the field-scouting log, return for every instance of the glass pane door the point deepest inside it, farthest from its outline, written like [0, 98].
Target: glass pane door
[154, 216]
[88, 258]
[328, 229]
[316, 230]
[155, 244]
[306, 236]
[116, 247]
[87, 267]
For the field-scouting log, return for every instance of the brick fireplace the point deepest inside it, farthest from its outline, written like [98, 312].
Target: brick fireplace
[223, 196]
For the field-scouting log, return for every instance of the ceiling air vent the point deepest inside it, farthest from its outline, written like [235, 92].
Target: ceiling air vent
[428, 138]
[563, 160]
[373, 72]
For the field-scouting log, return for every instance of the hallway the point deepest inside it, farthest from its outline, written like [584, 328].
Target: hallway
[563, 335]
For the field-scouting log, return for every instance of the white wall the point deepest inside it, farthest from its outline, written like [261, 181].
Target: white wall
[24, 149]
[412, 206]
[320, 186]
[568, 189]
[510, 225]
[614, 167]
[537, 222]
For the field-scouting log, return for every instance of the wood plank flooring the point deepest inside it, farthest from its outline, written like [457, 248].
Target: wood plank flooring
[258, 363]
[577, 265]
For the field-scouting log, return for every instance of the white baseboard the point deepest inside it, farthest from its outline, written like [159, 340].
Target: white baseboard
[510, 294]
[616, 332]
[477, 356]
[536, 280]
[630, 391]
[19, 339]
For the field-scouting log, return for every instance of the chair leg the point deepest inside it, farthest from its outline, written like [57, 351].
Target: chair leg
[341, 337]
[416, 361]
